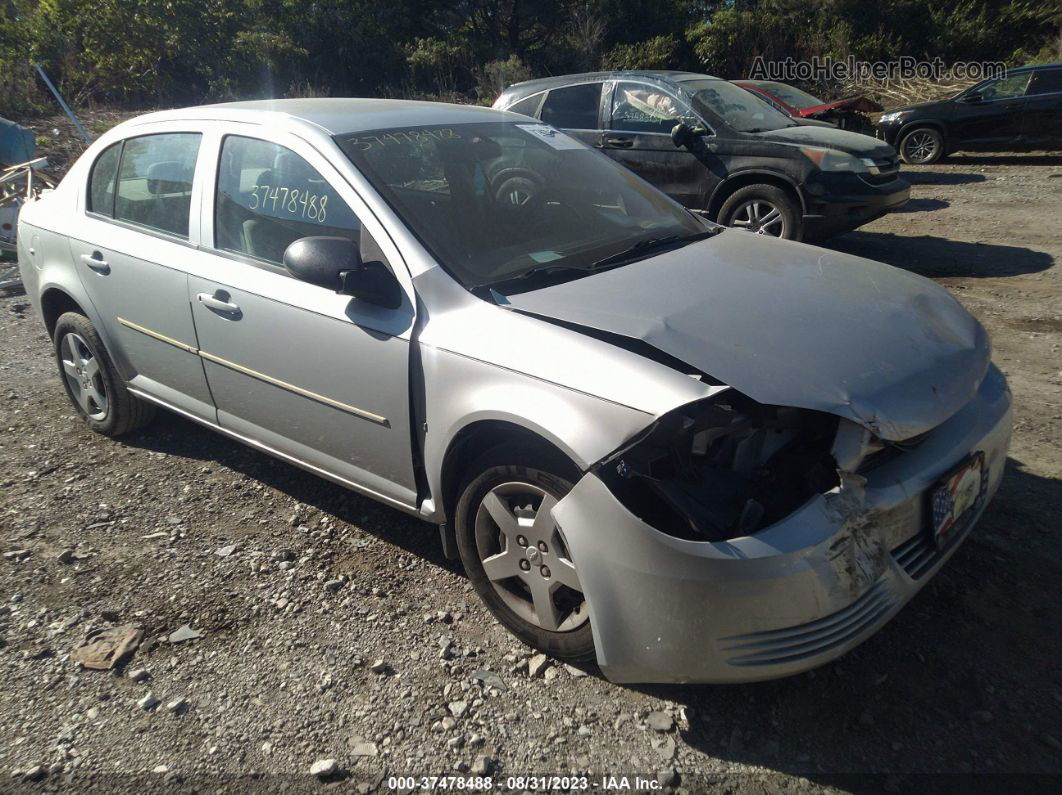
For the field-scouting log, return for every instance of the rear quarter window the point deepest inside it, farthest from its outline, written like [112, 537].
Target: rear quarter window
[573, 107]
[101, 181]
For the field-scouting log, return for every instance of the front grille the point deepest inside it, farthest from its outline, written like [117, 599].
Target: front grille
[888, 168]
[777, 646]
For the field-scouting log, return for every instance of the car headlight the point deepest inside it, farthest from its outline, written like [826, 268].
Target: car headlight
[836, 160]
[885, 118]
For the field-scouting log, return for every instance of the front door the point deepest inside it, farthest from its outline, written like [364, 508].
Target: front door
[992, 122]
[130, 246]
[319, 377]
[639, 136]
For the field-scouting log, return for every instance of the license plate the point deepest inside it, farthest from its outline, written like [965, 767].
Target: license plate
[957, 498]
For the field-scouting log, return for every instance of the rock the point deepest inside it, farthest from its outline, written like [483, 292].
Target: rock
[667, 778]
[66, 556]
[456, 742]
[148, 702]
[34, 773]
[184, 633]
[537, 665]
[447, 723]
[361, 747]
[333, 585]
[226, 551]
[576, 673]
[490, 679]
[551, 673]
[17, 555]
[178, 706]
[323, 768]
[482, 765]
[660, 721]
[379, 667]
[667, 749]
[92, 713]
[160, 769]
[457, 708]
[110, 615]
[283, 555]
[139, 675]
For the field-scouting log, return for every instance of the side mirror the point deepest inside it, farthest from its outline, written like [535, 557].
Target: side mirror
[682, 133]
[335, 264]
[973, 99]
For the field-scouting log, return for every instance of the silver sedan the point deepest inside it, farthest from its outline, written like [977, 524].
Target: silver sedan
[687, 453]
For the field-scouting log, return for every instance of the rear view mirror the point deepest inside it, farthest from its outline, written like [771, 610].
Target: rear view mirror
[335, 264]
[682, 133]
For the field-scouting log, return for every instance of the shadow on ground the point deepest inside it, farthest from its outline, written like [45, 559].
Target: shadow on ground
[941, 177]
[923, 205]
[938, 256]
[1009, 159]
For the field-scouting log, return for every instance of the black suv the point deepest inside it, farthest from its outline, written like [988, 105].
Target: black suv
[717, 148]
[1020, 111]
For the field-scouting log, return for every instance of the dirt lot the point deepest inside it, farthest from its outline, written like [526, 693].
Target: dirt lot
[299, 589]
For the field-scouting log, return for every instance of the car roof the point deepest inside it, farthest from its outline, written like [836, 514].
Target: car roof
[529, 87]
[335, 116]
[1031, 66]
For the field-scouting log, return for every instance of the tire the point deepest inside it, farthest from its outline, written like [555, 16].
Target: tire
[763, 209]
[921, 146]
[91, 381]
[510, 479]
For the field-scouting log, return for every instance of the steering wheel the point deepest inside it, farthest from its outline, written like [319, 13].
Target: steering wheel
[518, 190]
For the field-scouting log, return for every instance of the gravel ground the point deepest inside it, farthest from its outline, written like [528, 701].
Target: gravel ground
[332, 628]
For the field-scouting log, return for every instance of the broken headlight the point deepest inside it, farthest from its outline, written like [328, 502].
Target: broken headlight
[723, 467]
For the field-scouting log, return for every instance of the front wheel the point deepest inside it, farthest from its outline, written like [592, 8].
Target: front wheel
[922, 146]
[762, 209]
[515, 555]
[91, 380]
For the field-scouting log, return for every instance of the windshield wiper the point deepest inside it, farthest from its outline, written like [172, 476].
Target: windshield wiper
[644, 247]
[640, 249]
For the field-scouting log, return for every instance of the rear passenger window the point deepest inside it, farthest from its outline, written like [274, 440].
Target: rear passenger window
[101, 181]
[155, 181]
[574, 107]
[1048, 81]
[268, 197]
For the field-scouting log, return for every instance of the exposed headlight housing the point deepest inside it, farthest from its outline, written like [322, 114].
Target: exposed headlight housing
[895, 115]
[836, 160]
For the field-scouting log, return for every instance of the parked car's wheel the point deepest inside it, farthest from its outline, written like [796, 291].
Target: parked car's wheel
[514, 554]
[94, 386]
[921, 146]
[763, 209]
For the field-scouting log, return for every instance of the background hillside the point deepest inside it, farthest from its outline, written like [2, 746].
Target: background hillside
[147, 52]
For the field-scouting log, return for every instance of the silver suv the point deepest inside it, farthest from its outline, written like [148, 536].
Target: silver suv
[692, 454]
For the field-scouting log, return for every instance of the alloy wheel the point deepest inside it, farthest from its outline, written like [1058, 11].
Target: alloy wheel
[920, 146]
[526, 559]
[84, 377]
[759, 216]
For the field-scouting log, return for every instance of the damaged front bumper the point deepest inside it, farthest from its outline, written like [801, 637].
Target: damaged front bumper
[790, 597]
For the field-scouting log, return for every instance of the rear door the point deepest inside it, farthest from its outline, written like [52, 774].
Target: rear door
[319, 377]
[1042, 120]
[575, 109]
[130, 243]
[641, 117]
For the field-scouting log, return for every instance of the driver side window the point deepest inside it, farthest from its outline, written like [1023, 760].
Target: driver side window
[643, 108]
[1007, 88]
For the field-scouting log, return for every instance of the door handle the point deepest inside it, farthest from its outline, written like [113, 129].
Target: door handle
[217, 304]
[621, 143]
[96, 261]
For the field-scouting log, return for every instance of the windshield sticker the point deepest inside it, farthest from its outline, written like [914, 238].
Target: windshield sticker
[544, 256]
[554, 138]
[399, 137]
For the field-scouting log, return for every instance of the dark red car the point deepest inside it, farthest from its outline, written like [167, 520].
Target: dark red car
[848, 114]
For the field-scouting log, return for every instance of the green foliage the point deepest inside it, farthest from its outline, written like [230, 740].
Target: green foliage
[659, 52]
[185, 51]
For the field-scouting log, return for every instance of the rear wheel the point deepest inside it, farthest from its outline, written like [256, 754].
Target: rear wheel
[91, 380]
[515, 555]
[922, 146]
[763, 209]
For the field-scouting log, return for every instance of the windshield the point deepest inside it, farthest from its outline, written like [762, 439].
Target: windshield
[791, 96]
[739, 109]
[497, 201]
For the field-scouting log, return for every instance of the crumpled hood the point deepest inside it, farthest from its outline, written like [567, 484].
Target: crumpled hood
[858, 103]
[846, 141]
[792, 325]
